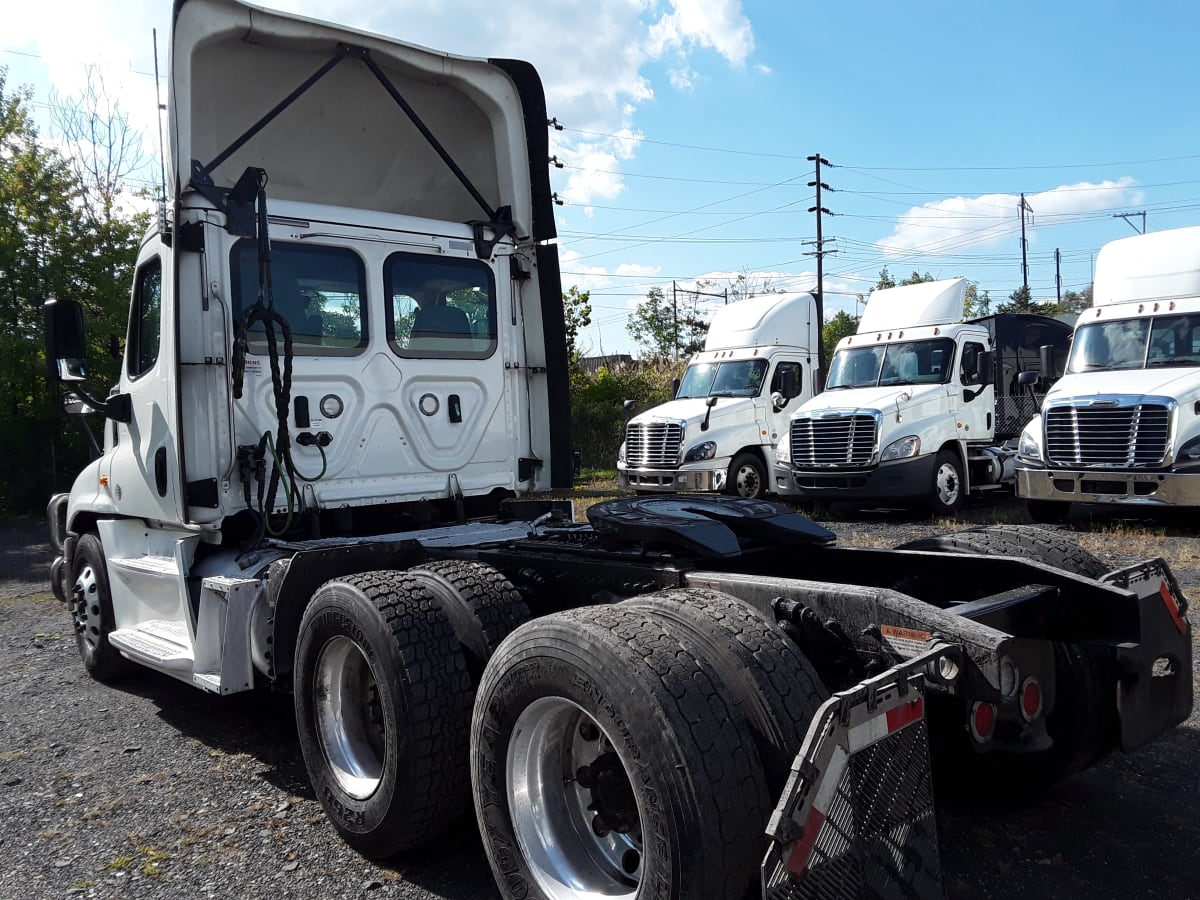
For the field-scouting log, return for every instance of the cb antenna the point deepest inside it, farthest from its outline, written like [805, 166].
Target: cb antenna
[162, 153]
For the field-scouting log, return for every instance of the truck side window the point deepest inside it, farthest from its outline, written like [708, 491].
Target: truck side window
[777, 378]
[320, 291]
[440, 307]
[968, 368]
[145, 319]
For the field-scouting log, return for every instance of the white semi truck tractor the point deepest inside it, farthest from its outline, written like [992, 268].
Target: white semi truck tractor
[1122, 427]
[322, 472]
[921, 406]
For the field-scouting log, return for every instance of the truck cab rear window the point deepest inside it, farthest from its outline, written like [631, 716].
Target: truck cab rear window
[320, 291]
[440, 307]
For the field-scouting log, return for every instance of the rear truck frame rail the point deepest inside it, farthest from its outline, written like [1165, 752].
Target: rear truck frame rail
[826, 833]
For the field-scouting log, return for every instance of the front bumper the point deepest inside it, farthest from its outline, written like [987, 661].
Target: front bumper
[907, 479]
[673, 480]
[1105, 486]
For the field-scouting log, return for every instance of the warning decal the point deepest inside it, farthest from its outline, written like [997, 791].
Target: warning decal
[904, 641]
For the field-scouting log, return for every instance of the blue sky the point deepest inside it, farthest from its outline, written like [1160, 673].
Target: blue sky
[687, 124]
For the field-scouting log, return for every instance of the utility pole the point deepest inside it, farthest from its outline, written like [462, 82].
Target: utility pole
[1058, 274]
[675, 321]
[1024, 207]
[1126, 217]
[819, 253]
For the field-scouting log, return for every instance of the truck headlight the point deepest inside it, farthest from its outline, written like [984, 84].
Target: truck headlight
[1028, 447]
[783, 449]
[1189, 453]
[621, 453]
[707, 450]
[901, 449]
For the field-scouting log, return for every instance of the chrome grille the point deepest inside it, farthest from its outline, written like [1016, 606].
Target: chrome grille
[1108, 436]
[833, 441]
[653, 444]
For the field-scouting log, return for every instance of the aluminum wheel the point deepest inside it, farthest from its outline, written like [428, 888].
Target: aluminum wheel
[349, 717]
[575, 813]
[947, 484]
[746, 477]
[85, 606]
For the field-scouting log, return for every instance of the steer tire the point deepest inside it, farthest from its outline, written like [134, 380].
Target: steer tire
[604, 713]
[948, 488]
[90, 603]
[1082, 725]
[774, 684]
[383, 705]
[747, 476]
[482, 605]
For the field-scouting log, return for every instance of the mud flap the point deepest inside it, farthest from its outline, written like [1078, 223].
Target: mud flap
[856, 818]
[1154, 690]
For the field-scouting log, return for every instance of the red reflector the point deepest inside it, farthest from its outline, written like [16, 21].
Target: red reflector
[797, 858]
[1031, 699]
[1164, 591]
[983, 720]
[905, 715]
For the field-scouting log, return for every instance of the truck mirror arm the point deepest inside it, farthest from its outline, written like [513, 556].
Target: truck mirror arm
[710, 403]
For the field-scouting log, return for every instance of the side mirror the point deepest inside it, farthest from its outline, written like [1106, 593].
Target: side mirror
[778, 401]
[985, 362]
[1047, 361]
[674, 388]
[1027, 378]
[74, 405]
[787, 384]
[66, 348]
[710, 402]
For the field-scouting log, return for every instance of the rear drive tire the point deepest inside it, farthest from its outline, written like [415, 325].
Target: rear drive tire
[607, 759]
[90, 602]
[383, 703]
[1082, 725]
[482, 605]
[773, 683]
[747, 476]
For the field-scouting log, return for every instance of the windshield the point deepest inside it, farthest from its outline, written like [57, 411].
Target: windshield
[904, 362]
[736, 378]
[1160, 341]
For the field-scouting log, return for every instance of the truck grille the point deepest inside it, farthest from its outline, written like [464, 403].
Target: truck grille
[836, 441]
[655, 444]
[1109, 436]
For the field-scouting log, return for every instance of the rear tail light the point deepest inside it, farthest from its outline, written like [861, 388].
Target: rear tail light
[983, 720]
[1031, 699]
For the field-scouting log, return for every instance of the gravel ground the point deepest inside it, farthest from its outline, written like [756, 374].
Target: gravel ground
[154, 789]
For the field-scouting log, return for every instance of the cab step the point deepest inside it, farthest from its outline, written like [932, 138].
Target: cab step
[158, 643]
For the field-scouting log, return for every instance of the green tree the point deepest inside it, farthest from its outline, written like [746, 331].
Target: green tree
[577, 315]
[1072, 303]
[840, 326]
[976, 305]
[664, 332]
[1020, 301]
[885, 280]
[917, 278]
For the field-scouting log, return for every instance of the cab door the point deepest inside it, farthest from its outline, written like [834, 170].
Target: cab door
[144, 469]
[976, 416]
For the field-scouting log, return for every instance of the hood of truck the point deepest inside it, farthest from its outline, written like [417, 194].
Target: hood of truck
[344, 140]
[691, 411]
[1183, 384]
[880, 398]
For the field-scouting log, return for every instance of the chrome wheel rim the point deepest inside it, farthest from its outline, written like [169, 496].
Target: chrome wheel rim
[748, 482]
[85, 606]
[947, 484]
[349, 717]
[574, 811]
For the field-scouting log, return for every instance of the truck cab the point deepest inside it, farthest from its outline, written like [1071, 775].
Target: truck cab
[718, 432]
[918, 403]
[1122, 426]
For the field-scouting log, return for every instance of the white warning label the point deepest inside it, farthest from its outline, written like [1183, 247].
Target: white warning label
[905, 641]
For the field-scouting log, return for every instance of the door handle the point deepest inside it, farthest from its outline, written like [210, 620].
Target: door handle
[160, 471]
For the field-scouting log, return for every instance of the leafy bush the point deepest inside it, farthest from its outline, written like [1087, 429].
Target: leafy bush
[597, 414]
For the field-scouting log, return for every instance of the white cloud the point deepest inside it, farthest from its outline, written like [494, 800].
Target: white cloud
[683, 78]
[950, 225]
[715, 24]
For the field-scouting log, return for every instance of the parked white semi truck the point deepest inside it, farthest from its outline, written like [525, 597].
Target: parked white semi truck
[919, 405]
[719, 431]
[345, 359]
[1123, 425]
